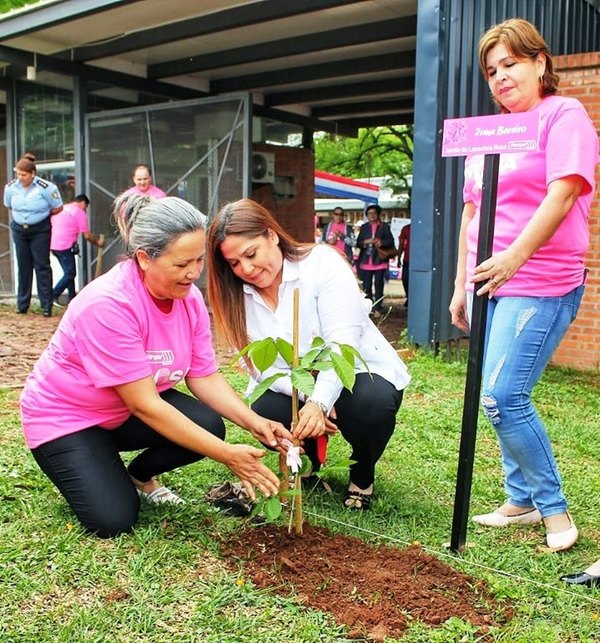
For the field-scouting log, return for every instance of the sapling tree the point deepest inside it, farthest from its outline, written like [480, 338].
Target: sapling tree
[321, 356]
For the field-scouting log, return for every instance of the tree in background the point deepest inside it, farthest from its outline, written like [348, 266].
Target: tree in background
[378, 151]
[9, 5]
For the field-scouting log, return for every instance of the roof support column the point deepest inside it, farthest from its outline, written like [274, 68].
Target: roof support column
[424, 306]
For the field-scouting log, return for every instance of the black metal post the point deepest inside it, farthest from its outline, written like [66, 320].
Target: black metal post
[475, 362]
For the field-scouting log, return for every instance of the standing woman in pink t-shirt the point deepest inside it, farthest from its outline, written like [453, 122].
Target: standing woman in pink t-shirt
[534, 278]
[106, 382]
[142, 183]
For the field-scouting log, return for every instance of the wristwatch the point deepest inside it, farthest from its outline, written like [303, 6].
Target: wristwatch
[319, 404]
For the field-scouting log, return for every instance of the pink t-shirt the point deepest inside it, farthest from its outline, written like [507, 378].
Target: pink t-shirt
[568, 146]
[157, 193]
[67, 226]
[112, 333]
[370, 264]
[341, 229]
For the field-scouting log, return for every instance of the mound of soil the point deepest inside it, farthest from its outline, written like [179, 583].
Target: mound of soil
[375, 591]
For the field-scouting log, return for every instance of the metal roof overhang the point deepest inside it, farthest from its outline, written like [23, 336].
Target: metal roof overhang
[334, 65]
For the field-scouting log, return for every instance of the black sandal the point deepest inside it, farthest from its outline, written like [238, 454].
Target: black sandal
[357, 500]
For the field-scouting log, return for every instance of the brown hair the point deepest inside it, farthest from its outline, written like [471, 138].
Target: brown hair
[522, 40]
[246, 218]
[26, 163]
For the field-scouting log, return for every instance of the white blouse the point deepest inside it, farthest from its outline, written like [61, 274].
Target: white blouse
[332, 307]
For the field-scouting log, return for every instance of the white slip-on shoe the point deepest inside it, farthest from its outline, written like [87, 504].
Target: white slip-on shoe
[160, 496]
[562, 540]
[498, 519]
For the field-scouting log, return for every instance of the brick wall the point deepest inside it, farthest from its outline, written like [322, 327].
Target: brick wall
[580, 78]
[295, 213]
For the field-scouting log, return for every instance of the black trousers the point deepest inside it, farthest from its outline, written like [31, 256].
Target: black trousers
[32, 250]
[366, 418]
[88, 471]
[405, 277]
[377, 276]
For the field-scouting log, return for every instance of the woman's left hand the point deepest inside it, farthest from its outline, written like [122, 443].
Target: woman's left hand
[312, 422]
[270, 433]
[495, 272]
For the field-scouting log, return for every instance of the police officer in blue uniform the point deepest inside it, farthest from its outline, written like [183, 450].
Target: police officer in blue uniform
[32, 202]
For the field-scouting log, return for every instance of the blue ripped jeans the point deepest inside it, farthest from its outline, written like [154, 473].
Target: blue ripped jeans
[522, 334]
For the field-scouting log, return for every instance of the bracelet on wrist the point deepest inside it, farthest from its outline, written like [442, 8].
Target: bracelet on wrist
[322, 406]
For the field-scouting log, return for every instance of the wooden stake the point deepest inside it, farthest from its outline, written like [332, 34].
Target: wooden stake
[98, 270]
[297, 504]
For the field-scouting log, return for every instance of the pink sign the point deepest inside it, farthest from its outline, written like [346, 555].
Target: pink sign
[498, 134]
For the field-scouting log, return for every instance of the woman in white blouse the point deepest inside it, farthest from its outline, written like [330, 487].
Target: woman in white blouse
[254, 265]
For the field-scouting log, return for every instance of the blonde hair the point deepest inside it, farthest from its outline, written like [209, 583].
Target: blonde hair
[522, 40]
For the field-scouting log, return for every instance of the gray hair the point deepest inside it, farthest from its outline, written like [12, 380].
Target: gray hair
[150, 224]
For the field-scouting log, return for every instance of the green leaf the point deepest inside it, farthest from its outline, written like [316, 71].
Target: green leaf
[236, 358]
[308, 358]
[347, 354]
[343, 370]
[272, 508]
[286, 350]
[290, 493]
[303, 381]
[306, 464]
[263, 387]
[258, 507]
[263, 353]
[321, 366]
[317, 341]
[351, 355]
[339, 466]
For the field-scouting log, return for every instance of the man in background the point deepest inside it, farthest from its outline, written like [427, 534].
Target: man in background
[66, 228]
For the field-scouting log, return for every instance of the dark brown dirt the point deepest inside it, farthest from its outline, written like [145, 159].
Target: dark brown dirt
[375, 591]
[23, 338]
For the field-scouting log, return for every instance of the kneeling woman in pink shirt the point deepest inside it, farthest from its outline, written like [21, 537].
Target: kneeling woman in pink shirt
[106, 382]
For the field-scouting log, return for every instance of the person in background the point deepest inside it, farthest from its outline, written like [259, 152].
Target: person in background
[374, 234]
[534, 280]
[106, 382]
[404, 257]
[67, 225]
[254, 266]
[32, 201]
[339, 234]
[142, 183]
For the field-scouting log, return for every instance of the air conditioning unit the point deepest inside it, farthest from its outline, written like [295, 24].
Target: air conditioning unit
[263, 167]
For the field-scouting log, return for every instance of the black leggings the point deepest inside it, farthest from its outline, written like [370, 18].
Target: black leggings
[366, 419]
[88, 471]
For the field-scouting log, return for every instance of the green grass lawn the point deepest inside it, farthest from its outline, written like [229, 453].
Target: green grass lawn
[166, 581]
